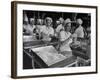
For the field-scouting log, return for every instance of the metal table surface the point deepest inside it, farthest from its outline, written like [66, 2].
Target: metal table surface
[46, 56]
[52, 58]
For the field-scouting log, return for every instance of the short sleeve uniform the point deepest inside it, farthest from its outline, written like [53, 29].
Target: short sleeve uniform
[46, 32]
[79, 31]
[63, 36]
[29, 29]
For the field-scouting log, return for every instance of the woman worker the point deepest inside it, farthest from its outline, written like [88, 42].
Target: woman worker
[29, 28]
[66, 39]
[47, 31]
[39, 28]
[80, 30]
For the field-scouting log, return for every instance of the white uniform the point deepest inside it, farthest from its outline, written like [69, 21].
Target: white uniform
[29, 29]
[39, 27]
[66, 46]
[79, 31]
[46, 32]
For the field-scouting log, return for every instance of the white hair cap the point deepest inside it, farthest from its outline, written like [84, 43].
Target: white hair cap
[49, 18]
[68, 20]
[32, 19]
[79, 21]
[39, 20]
[58, 22]
[25, 18]
[61, 19]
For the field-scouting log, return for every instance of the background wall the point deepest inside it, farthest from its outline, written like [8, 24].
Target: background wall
[5, 40]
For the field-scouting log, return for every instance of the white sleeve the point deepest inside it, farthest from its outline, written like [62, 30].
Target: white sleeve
[57, 29]
[62, 36]
[52, 31]
[80, 33]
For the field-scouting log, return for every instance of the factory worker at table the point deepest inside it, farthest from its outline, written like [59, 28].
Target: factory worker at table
[80, 30]
[39, 27]
[32, 24]
[66, 39]
[25, 24]
[29, 28]
[47, 31]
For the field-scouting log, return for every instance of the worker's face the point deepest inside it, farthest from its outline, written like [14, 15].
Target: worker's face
[48, 22]
[32, 22]
[88, 30]
[69, 24]
[78, 23]
[68, 27]
[61, 21]
[40, 22]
